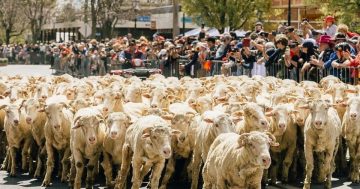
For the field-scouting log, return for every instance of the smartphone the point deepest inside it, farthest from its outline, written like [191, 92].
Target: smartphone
[246, 42]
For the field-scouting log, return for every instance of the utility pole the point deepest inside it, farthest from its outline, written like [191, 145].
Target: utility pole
[289, 13]
[176, 29]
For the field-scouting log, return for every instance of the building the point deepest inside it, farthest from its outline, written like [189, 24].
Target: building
[299, 11]
[148, 17]
[155, 16]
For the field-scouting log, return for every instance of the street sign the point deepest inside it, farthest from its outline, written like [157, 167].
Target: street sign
[143, 18]
[153, 25]
[85, 30]
[186, 19]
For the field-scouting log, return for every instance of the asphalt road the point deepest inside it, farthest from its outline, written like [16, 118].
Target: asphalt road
[25, 181]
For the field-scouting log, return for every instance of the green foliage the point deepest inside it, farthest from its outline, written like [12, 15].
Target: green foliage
[345, 11]
[224, 13]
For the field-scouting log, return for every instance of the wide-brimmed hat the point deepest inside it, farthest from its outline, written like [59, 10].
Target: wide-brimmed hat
[325, 39]
[339, 36]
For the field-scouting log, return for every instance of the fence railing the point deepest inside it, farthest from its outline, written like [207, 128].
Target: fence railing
[84, 66]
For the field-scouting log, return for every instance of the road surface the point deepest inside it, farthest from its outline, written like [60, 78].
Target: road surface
[25, 181]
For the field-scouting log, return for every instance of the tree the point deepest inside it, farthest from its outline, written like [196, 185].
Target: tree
[108, 16]
[68, 13]
[225, 13]
[176, 29]
[37, 11]
[12, 18]
[347, 12]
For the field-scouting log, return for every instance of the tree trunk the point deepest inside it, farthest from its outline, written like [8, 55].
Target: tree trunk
[93, 18]
[176, 29]
[7, 36]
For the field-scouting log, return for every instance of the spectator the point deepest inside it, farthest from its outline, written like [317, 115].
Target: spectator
[273, 64]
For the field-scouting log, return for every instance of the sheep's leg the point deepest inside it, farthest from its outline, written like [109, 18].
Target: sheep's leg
[136, 180]
[328, 164]
[309, 165]
[206, 177]
[25, 154]
[357, 164]
[79, 165]
[40, 161]
[156, 173]
[106, 164]
[49, 164]
[5, 164]
[274, 167]
[352, 152]
[125, 167]
[170, 168]
[195, 169]
[65, 162]
[13, 161]
[288, 160]
[72, 173]
[91, 171]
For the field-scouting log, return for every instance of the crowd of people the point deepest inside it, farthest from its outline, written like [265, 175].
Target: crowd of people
[289, 53]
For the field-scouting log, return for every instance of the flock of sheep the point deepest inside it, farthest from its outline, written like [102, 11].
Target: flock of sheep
[232, 132]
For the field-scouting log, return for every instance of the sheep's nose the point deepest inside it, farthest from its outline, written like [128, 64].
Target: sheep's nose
[318, 123]
[43, 96]
[92, 139]
[282, 125]
[154, 105]
[126, 100]
[266, 160]
[300, 120]
[28, 120]
[56, 126]
[16, 121]
[353, 115]
[264, 123]
[113, 133]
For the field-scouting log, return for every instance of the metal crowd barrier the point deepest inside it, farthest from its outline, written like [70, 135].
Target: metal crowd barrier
[314, 73]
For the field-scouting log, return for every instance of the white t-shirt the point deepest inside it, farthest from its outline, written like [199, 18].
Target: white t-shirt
[331, 31]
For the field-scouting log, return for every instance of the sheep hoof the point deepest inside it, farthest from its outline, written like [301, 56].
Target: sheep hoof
[12, 175]
[45, 183]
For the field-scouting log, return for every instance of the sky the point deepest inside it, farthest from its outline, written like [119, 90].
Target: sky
[76, 3]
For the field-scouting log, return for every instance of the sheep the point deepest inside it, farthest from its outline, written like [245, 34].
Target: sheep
[321, 134]
[211, 125]
[57, 134]
[17, 131]
[147, 145]
[285, 131]
[86, 140]
[254, 119]
[237, 161]
[117, 123]
[37, 121]
[351, 133]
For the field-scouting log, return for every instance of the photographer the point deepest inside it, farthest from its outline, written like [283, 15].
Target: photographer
[307, 56]
[329, 26]
[170, 60]
[292, 35]
[233, 58]
[275, 63]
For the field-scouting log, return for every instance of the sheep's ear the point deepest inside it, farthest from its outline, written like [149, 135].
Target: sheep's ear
[351, 91]
[294, 112]
[168, 116]
[272, 139]
[270, 113]
[146, 95]
[3, 106]
[146, 133]
[77, 123]
[243, 139]
[208, 120]
[175, 132]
